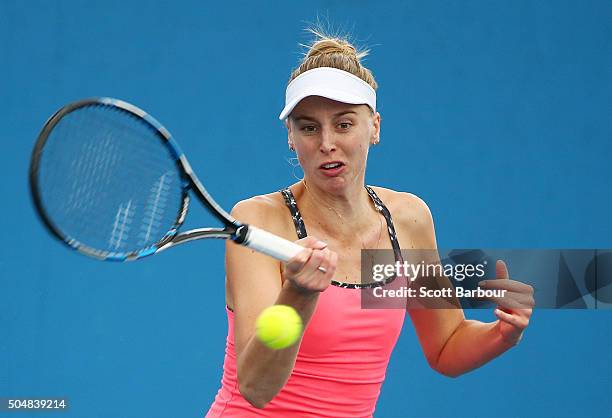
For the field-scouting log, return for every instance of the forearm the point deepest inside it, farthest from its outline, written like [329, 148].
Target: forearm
[262, 371]
[473, 344]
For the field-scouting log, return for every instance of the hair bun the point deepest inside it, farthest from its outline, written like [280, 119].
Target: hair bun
[336, 52]
[332, 46]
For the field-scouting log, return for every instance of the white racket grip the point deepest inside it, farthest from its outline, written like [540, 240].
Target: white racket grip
[270, 244]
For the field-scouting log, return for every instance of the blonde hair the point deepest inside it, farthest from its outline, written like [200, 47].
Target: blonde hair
[336, 52]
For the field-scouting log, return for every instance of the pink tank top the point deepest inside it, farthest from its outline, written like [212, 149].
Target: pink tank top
[342, 360]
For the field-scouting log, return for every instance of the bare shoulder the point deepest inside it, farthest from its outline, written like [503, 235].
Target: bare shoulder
[266, 211]
[411, 215]
[403, 205]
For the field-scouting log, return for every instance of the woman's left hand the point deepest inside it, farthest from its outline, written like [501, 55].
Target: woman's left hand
[514, 309]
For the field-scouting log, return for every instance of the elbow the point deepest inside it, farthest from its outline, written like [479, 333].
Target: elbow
[253, 389]
[256, 387]
[444, 371]
[253, 399]
[447, 373]
[253, 395]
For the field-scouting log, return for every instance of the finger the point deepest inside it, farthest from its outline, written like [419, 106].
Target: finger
[315, 274]
[523, 314]
[523, 298]
[527, 301]
[323, 268]
[296, 264]
[510, 301]
[313, 263]
[508, 284]
[511, 319]
[501, 270]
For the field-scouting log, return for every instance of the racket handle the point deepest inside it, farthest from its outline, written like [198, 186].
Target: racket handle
[270, 244]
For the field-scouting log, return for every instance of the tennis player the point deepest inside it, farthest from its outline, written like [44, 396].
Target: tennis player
[338, 366]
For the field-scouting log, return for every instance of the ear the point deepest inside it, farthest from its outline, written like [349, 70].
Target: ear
[375, 137]
[289, 135]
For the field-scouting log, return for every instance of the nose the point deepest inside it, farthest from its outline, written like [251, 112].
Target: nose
[328, 141]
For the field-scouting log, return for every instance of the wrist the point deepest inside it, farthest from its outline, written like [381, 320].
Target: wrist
[297, 291]
[291, 294]
[510, 340]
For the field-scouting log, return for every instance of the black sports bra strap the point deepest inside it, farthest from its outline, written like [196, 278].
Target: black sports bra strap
[300, 228]
[380, 206]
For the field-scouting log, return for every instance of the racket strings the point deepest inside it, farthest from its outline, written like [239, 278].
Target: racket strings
[108, 181]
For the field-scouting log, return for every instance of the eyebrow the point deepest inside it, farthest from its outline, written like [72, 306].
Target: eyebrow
[335, 115]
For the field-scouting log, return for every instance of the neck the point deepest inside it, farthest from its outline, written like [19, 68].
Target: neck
[351, 208]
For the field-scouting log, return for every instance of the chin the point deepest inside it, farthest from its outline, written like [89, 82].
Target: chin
[334, 185]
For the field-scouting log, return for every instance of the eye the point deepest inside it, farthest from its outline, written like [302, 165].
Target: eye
[309, 128]
[345, 125]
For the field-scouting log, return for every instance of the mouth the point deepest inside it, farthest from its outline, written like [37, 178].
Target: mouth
[332, 165]
[332, 168]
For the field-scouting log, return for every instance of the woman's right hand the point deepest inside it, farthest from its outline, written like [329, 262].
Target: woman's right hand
[302, 272]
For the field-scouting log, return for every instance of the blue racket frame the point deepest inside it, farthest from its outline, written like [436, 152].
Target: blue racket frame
[232, 228]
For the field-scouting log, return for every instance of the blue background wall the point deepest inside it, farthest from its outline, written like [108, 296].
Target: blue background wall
[497, 113]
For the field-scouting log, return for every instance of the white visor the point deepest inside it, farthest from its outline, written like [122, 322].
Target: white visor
[331, 83]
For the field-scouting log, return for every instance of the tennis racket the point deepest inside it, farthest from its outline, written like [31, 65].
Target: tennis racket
[109, 181]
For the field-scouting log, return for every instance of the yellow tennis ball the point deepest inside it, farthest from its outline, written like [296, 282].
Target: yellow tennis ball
[278, 326]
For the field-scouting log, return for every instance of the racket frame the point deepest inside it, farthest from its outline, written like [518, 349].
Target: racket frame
[232, 229]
